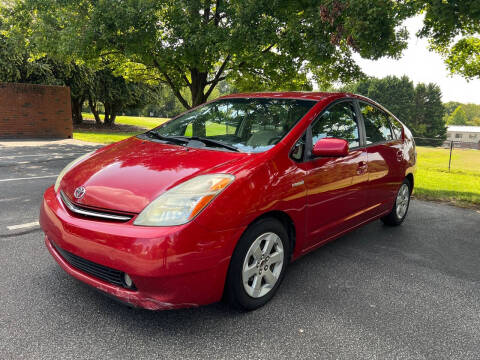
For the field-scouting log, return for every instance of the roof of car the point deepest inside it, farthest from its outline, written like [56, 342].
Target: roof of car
[308, 95]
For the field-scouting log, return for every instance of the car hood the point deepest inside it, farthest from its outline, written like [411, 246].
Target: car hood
[128, 175]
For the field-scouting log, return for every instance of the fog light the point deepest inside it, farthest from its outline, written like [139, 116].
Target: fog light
[127, 280]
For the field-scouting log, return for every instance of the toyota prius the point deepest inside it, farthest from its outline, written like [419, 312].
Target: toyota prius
[216, 202]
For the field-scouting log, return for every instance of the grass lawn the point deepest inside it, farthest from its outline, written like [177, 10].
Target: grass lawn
[107, 136]
[143, 122]
[460, 185]
[101, 137]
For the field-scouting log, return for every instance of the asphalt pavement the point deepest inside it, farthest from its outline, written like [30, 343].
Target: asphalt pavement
[411, 292]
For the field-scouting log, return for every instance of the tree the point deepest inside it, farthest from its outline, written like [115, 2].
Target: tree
[458, 117]
[195, 44]
[78, 77]
[472, 112]
[427, 112]
[116, 94]
[450, 107]
[21, 62]
[15, 57]
[453, 27]
[396, 94]
[164, 103]
[419, 107]
[17, 66]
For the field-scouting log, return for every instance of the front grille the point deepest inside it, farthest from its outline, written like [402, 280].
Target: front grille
[101, 272]
[83, 211]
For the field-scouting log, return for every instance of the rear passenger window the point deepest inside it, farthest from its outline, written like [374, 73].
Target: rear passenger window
[377, 126]
[396, 127]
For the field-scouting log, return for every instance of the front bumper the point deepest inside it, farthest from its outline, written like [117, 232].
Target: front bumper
[171, 267]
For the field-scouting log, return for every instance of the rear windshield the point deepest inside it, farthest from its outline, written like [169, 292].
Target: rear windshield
[243, 124]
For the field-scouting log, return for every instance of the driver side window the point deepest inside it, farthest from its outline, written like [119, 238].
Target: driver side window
[338, 121]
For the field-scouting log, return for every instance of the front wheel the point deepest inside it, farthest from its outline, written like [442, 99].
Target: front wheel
[400, 208]
[258, 265]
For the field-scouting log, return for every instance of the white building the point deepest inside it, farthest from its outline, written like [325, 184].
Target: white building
[463, 133]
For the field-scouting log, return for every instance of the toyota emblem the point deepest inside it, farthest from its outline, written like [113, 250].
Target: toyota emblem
[79, 192]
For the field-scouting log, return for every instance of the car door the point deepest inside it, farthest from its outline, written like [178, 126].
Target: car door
[385, 158]
[335, 185]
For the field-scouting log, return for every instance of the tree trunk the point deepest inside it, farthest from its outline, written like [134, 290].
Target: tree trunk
[110, 115]
[106, 118]
[113, 116]
[77, 110]
[93, 109]
[199, 82]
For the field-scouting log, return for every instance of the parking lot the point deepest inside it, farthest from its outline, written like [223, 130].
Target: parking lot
[411, 292]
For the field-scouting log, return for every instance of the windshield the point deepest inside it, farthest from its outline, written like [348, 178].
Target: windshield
[238, 124]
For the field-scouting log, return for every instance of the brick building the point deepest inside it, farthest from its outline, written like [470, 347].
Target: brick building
[35, 111]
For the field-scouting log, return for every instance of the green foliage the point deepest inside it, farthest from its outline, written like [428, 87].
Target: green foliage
[453, 27]
[427, 112]
[450, 107]
[194, 44]
[16, 63]
[165, 104]
[23, 47]
[472, 112]
[116, 94]
[16, 66]
[464, 57]
[397, 94]
[419, 107]
[458, 117]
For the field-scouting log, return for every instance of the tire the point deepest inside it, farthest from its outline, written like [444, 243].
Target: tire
[258, 265]
[400, 208]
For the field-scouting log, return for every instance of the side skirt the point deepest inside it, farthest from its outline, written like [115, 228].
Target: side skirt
[339, 234]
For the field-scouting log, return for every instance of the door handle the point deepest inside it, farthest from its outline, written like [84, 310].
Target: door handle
[300, 183]
[399, 155]
[362, 167]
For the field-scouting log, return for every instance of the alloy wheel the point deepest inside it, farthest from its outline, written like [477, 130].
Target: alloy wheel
[263, 265]
[403, 198]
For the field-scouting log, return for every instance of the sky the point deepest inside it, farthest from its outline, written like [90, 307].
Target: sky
[422, 65]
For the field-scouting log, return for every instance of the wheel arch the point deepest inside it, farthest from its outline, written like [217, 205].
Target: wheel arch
[286, 221]
[278, 215]
[410, 178]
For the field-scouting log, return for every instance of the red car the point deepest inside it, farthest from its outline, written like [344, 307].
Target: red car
[217, 201]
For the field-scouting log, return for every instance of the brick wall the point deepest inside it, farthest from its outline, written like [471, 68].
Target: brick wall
[35, 111]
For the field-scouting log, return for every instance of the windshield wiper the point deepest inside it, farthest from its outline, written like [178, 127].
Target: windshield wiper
[210, 141]
[171, 139]
[184, 140]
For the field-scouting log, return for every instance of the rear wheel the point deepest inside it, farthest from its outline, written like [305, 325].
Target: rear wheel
[400, 208]
[258, 265]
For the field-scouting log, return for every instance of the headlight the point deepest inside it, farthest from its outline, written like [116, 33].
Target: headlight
[68, 167]
[182, 203]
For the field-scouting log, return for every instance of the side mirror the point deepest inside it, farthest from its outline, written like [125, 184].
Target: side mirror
[330, 147]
